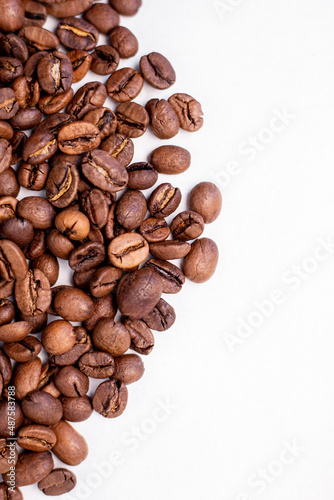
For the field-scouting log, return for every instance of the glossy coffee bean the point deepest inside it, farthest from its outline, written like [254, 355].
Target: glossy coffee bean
[42, 408]
[82, 345]
[124, 85]
[30, 68]
[97, 364]
[58, 337]
[36, 437]
[200, 263]
[73, 224]
[36, 323]
[206, 199]
[124, 41]
[163, 119]
[40, 146]
[94, 204]
[142, 339]
[53, 123]
[76, 409]
[10, 69]
[6, 154]
[72, 382]
[90, 96]
[14, 332]
[62, 184]
[132, 119]
[17, 142]
[31, 467]
[164, 200]
[103, 17]
[73, 304]
[161, 318]
[81, 61]
[58, 482]
[6, 130]
[78, 137]
[8, 206]
[13, 46]
[170, 249]
[71, 448]
[33, 177]
[129, 368]
[8, 103]
[37, 38]
[157, 71]
[50, 104]
[38, 211]
[35, 14]
[120, 147]
[37, 246]
[110, 398]
[111, 337]
[48, 264]
[104, 281]
[25, 119]
[23, 351]
[131, 209]
[104, 171]
[105, 60]
[142, 175]
[128, 250]
[26, 378]
[6, 288]
[12, 15]
[104, 307]
[33, 293]
[104, 119]
[61, 246]
[27, 91]
[7, 312]
[187, 225]
[126, 7]
[171, 276]
[8, 183]
[81, 279]
[154, 230]
[68, 8]
[55, 73]
[188, 110]
[75, 33]
[87, 256]
[170, 159]
[13, 264]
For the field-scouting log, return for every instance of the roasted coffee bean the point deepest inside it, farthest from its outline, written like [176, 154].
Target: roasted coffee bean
[17, 142]
[6, 130]
[154, 230]
[50, 104]
[13, 46]
[12, 15]
[61, 246]
[113, 228]
[157, 71]
[91, 96]
[132, 119]
[187, 225]
[124, 41]
[53, 123]
[36, 323]
[36, 437]
[36, 210]
[31, 467]
[8, 206]
[14, 332]
[103, 17]
[5, 368]
[206, 199]
[126, 7]
[120, 147]
[47, 374]
[8, 103]
[104, 281]
[6, 288]
[5, 410]
[34, 13]
[33, 177]
[142, 175]
[5, 154]
[81, 279]
[55, 73]
[20, 231]
[131, 209]
[82, 345]
[7, 493]
[110, 398]
[62, 184]
[129, 368]
[48, 264]
[76, 33]
[26, 378]
[138, 292]
[58, 337]
[8, 455]
[37, 38]
[170, 159]
[26, 349]
[94, 236]
[142, 339]
[58, 482]
[170, 249]
[7, 312]
[164, 200]
[104, 307]
[163, 119]
[73, 304]
[87, 256]
[94, 204]
[40, 146]
[171, 276]
[27, 92]
[76, 409]
[110, 337]
[97, 364]
[128, 250]
[37, 246]
[161, 318]
[105, 60]
[61, 159]
[72, 382]
[188, 110]
[69, 8]
[13, 264]
[71, 448]
[200, 263]
[81, 61]
[30, 68]
[73, 224]
[104, 119]
[8, 183]
[25, 119]
[33, 294]
[124, 85]
[78, 137]
[10, 68]
[104, 171]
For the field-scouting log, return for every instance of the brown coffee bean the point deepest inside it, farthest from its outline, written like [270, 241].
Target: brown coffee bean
[33, 294]
[138, 292]
[105, 60]
[131, 209]
[112, 338]
[25, 119]
[8, 103]
[5, 368]
[73, 304]
[37, 38]
[36, 437]
[97, 364]
[73, 224]
[201, 262]
[7, 312]
[59, 245]
[6, 288]
[154, 230]
[103, 17]
[42, 408]
[120, 147]
[33, 177]
[188, 110]
[94, 204]
[31, 467]
[62, 184]
[104, 307]
[8, 206]
[58, 482]
[5, 154]
[104, 280]
[87, 256]
[170, 249]
[8, 455]
[71, 448]
[55, 73]
[171, 276]
[26, 378]
[47, 374]
[78, 137]
[124, 85]
[164, 201]
[17, 142]
[110, 398]
[50, 104]
[13, 264]
[23, 351]
[76, 409]
[187, 225]
[40, 146]
[76, 33]
[27, 92]
[34, 13]
[142, 339]
[124, 41]
[206, 199]
[157, 71]
[129, 368]
[104, 119]
[7, 493]
[81, 279]
[126, 7]
[12, 15]
[6, 130]
[161, 318]
[37, 246]
[170, 159]
[132, 119]
[82, 345]
[163, 119]
[16, 423]
[58, 337]
[53, 123]
[91, 96]
[10, 69]
[128, 250]
[14, 332]
[8, 183]
[13, 46]
[20, 231]
[30, 68]
[81, 61]
[69, 8]
[36, 210]
[36, 323]
[72, 382]
[142, 175]
[104, 171]
[48, 264]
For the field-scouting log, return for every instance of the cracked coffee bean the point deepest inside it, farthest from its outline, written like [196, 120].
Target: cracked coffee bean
[128, 250]
[163, 119]
[110, 398]
[36, 437]
[120, 147]
[132, 119]
[157, 71]
[104, 171]
[171, 276]
[187, 225]
[124, 85]
[104, 119]
[164, 201]
[78, 137]
[58, 482]
[142, 339]
[188, 110]
[161, 318]
[55, 73]
[105, 60]
[81, 61]
[33, 294]
[76, 33]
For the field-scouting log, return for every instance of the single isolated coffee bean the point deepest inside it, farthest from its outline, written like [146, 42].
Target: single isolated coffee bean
[124, 85]
[103, 281]
[58, 337]
[171, 276]
[188, 110]
[142, 175]
[154, 230]
[76, 33]
[36, 437]
[206, 199]
[105, 60]
[163, 119]
[120, 147]
[170, 160]
[103, 17]
[124, 41]
[161, 318]
[131, 209]
[132, 119]
[55, 73]
[76, 409]
[110, 398]
[187, 225]
[104, 171]
[157, 71]
[78, 137]
[164, 200]
[142, 339]
[129, 368]
[71, 448]
[104, 119]
[200, 263]
[87, 256]
[58, 482]
[126, 8]
[170, 249]
[111, 337]
[81, 61]
[128, 250]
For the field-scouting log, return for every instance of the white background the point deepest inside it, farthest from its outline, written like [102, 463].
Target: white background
[234, 407]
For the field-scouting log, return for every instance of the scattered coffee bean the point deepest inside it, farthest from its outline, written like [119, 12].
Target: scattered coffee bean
[170, 250]
[71, 448]
[188, 110]
[58, 482]
[103, 17]
[187, 225]
[206, 199]
[164, 200]
[138, 292]
[124, 85]
[157, 70]
[110, 398]
[124, 41]
[201, 261]
[170, 159]
[76, 33]
[163, 119]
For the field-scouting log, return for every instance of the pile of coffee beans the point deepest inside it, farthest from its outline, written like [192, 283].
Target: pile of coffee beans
[94, 214]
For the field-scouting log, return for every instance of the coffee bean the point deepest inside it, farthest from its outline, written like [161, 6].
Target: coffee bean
[58, 337]
[161, 318]
[15, 424]
[188, 110]
[104, 280]
[13, 264]
[6, 130]
[104, 171]
[37, 38]
[124, 41]
[58, 482]
[82, 345]
[5, 154]
[62, 184]
[13, 46]
[31, 467]
[36, 437]
[25, 119]
[131, 209]
[142, 175]
[53, 123]
[154, 230]
[17, 142]
[73, 304]
[76, 33]
[105, 60]
[23, 351]
[157, 71]
[103, 17]
[5, 368]
[12, 15]
[87, 256]
[34, 13]
[6, 288]
[73, 224]
[8, 183]
[33, 177]
[7, 314]
[104, 307]
[110, 398]
[104, 119]
[120, 147]
[164, 201]
[20, 231]
[206, 199]
[30, 68]
[61, 246]
[8, 456]
[68, 7]
[8, 103]
[142, 339]
[132, 119]
[36, 323]
[26, 378]
[55, 73]
[10, 68]
[187, 225]
[111, 338]
[91, 96]
[129, 368]
[81, 61]
[71, 382]
[201, 262]
[170, 250]
[37, 246]
[171, 276]
[124, 85]
[81, 279]
[48, 264]
[7, 493]
[138, 292]
[128, 250]
[76, 409]
[170, 159]
[78, 137]
[40, 146]
[126, 7]
[8, 206]
[14, 332]
[163, 119]
[33, 294]
[50, 104]
[71, 448]
[94, 204]
[36, 210]
[97, 364]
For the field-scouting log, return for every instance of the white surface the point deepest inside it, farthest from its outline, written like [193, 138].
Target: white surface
[235, 410]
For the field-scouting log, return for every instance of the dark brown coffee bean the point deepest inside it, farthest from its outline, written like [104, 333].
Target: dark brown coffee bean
[8, 183]
[8, 103]
[17, 142]
[142, 339]
[128, 250]
[36, 210]
[5, 409]
[82, 345]
[103, 17]
[26, 378]
[40, 146]
[13, 264]
[124, 41]
[161, 318]
[69, 8]
[87, 256]
[36, 323]
[50, 104]
[33, 294]
[187, 225]
[172, 277]
[104, 119]
[62, 184]
[73, 224]
[8, 206]
[110, 398]
[170, 159]
[20, 231]
[8, 455]
[206, 199]
[105, 60]
[104, 171]
[113, 228]
[142, 175]
[47, 374]
[126, 7]
[78, 137]
[53, 123]
[71, 448]
[81, 279]
[94, 204]
[13, 46]
[34, 13]
[138, 292]
[91, 96]
[97, 364]
[94, 236]
[131, 209]
[75, 33]
[33, 177]
[81, 61]
[58, 482]
[61, 246]
[25, 119]
[124, 85]
[6, 130]
[112, 338]
[48, 264]
[129, 368]
[188, 110]
[55, 73]
[10, 69]
[5, 154]
[201, 262]
[157, 71]
[132, 119]
[31, 467]
[24, 350]
[72, 382]
[37, 246]
[12, 15]
[170, 249]
[7, 493]
[7, 312]
[163, 119]
[37, 38]
[154, 230]
[42, 408]
[104, 281]
[5, 368]
[30, 68]
[120, 147]
[164, 200]
[36, 437]
[76, 409]
[104, 307]
[73, 304]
